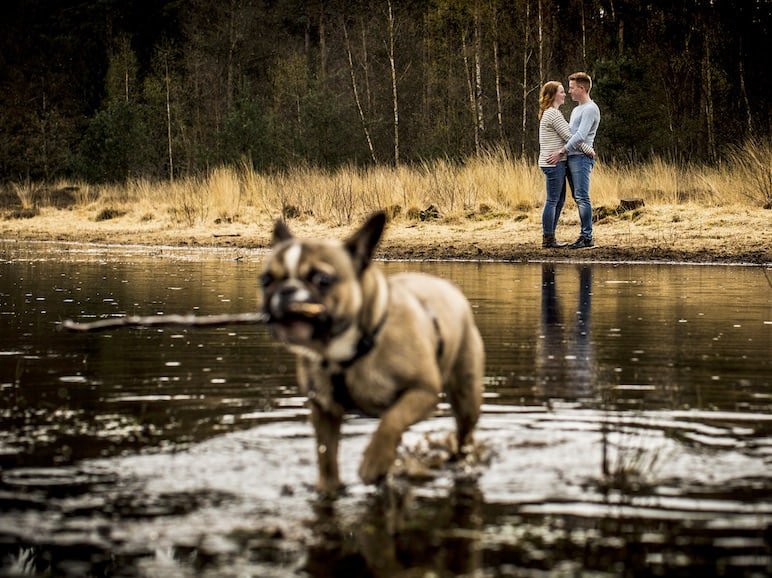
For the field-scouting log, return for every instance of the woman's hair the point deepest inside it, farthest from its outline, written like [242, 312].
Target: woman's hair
[547, 95]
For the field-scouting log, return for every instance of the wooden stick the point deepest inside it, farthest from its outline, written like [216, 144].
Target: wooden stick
[166, 320]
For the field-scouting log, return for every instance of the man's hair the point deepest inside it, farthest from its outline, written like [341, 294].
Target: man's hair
[582, 79]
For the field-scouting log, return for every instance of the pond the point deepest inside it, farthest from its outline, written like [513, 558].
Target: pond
[626, 428]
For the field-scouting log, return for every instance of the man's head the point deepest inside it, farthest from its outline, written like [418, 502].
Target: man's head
[579, 86]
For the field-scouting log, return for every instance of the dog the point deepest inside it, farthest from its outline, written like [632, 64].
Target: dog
[381, 346]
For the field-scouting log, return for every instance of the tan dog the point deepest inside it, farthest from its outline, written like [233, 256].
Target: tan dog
[382, 346]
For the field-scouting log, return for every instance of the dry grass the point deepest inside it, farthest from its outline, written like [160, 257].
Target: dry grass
[488, 207]
[489, 186]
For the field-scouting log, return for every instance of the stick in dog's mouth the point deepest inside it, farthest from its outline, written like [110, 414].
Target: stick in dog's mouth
[307, 309]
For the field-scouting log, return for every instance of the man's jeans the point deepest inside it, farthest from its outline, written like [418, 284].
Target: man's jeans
[556, 197]
[579, 169]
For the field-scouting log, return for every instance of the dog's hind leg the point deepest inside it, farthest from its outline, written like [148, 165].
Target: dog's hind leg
[465, 387]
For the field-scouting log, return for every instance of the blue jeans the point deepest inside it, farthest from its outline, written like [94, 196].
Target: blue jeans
[556, 197]
[579, 169]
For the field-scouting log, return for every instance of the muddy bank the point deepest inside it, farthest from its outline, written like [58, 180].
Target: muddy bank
[677, 233]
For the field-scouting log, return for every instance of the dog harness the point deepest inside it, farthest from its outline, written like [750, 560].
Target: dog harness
[340, 391]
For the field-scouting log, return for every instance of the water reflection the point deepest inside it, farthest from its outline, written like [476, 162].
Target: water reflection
[565, 351]
[396, 533]
[628, 419]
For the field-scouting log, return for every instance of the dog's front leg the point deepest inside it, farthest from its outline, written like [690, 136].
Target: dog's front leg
[413, 406]
[327, 427]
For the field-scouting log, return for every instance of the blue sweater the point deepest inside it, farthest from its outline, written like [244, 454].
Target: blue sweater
[584, 122]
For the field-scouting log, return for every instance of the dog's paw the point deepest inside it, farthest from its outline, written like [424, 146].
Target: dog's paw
[376, 463]
[330, 488]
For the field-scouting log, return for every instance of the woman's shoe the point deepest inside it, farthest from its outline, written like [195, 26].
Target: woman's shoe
[549, 242]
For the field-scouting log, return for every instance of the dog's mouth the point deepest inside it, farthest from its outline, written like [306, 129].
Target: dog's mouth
[300, 322]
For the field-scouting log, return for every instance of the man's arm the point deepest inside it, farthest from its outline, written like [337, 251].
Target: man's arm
[590, 116]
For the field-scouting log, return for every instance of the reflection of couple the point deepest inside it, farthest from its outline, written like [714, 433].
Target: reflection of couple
[565, 152]
[566, 360]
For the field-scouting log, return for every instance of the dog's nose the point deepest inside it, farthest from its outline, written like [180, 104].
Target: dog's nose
[287, 291]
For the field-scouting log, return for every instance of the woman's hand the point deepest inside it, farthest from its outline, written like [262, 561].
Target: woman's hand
[556, 156]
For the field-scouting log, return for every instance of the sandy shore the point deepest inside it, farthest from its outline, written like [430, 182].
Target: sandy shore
[666, 233]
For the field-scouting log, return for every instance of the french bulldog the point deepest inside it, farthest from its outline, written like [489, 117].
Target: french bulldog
[381, 346]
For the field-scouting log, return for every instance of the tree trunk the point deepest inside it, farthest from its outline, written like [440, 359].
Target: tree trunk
[497, 71]
[356, 91]
[44, 131]
[744, 93]
[526, 56]
[541, 42]
[125, 54]
[366, 69]
[470, 91]
[394, 96]
[322, 44]
[584, 35]
[169, 119]
[707, 88]
[478, 90]
[231, 56]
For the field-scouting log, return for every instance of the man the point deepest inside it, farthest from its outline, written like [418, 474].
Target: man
[584, 122]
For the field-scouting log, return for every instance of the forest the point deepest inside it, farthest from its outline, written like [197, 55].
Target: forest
[109, 90]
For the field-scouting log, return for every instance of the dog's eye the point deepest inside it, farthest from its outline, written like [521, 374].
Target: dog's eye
[266, 279]
[322, 280]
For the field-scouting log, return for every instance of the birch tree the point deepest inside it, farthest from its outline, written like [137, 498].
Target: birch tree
[524, 79]
[393, 69]
[478, 86]
[355, 90]
[497, 68]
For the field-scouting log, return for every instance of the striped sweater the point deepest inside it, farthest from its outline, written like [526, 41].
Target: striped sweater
[553, 134]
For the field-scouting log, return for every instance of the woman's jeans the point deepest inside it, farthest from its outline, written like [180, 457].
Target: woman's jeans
[556, 197]
[579, 169]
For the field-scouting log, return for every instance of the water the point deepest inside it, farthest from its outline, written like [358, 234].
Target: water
[626, 429]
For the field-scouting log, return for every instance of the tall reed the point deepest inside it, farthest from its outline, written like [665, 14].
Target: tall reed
[492, 183]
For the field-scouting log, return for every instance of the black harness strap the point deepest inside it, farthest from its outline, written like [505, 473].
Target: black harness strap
[340, 391]
[440, 342]
[364, 345]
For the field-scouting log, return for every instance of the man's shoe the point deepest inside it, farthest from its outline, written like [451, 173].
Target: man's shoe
[582, 243]
[549, 242]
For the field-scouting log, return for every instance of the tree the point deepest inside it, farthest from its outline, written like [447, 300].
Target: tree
[391, 27]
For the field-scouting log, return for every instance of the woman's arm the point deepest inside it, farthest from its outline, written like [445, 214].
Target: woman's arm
[560, 126]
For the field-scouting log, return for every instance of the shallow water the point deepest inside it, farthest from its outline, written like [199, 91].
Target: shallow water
[626, 430]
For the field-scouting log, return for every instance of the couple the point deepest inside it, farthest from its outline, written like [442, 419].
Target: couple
[565, 152]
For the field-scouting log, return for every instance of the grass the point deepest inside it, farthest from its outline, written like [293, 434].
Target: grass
[491, 185]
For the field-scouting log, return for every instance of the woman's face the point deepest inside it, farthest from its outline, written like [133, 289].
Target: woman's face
[560, 97]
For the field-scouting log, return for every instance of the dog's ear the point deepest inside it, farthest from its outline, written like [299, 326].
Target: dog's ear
[361, 244]
[281, 232]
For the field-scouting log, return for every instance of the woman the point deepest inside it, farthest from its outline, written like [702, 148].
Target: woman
[553, 134]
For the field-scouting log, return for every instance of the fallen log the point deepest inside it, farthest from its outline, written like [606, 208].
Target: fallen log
[631, 204]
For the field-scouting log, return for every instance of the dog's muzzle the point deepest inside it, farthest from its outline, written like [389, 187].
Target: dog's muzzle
[295, 317]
